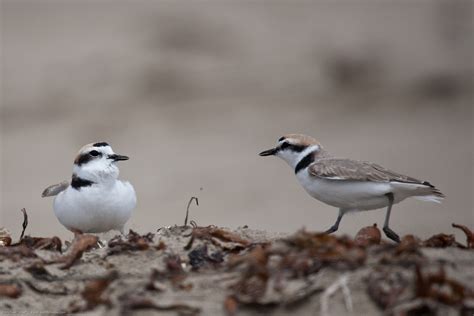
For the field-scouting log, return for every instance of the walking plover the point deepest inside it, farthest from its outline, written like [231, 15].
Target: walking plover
[348, 184]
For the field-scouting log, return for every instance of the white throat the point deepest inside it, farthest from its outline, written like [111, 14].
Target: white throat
[293, 158]
[97, 171]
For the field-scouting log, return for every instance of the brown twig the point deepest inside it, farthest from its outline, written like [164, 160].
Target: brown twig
[25, 222]
[187, 208]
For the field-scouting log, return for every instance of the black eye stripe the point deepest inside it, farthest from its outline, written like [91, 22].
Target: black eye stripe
[94, 153]
[85, 158]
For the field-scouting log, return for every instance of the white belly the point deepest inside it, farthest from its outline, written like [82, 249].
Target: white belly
[97, 208]
[350, 195]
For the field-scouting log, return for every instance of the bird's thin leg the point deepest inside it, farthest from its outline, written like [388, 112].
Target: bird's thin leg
[334, 227]
[386, 229]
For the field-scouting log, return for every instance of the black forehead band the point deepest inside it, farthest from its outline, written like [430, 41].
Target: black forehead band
[281, 138]
[101, 144]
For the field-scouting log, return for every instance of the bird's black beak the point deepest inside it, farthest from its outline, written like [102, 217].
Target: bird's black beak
[269, 152]
[116, 157]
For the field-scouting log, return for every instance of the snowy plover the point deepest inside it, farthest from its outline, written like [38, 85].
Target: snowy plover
[348, 184]
[94, 201]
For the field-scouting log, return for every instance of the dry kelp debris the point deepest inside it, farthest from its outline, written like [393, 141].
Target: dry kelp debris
[269, 278]
[135, 302]
[367, 236]
[392, 290]
[80, 244]
[269, 269]
[38, 271]
[173, 273]
[11, 290]
[469, 235]
[440, 241]
[219, 237]
[93, 293]
[134, 242]
[385, 287]
[438, 287]
[5, 238]
[199, 257]
[53, 243]
[327, 249]
[17, 252]
[48, 288]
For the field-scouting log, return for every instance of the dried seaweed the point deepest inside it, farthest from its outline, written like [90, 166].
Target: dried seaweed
[134, 242]
[385, 287]
[230, 305]
[438, 287]
[12, 290]
[93, 293]
[5, 238]
[53, 243]
[367, 236]
[54, 289]
[328, 249]
[17, 252]
[38, 271]
[199, 258]
[219, 237]
[469, 235]
[173, 273]
[135, 302]
[80, 244]
[440, 241]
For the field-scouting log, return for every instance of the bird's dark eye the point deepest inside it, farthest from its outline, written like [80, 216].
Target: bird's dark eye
[94, 153]
[284, 145]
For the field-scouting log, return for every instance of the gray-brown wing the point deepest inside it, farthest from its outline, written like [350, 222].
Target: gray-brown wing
[346, 169]
[55, 189]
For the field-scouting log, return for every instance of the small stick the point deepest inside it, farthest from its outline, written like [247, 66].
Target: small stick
[340, 283]
[25, 222]
[187, 209]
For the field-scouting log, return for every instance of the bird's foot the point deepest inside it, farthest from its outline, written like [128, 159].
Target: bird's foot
[391, 234]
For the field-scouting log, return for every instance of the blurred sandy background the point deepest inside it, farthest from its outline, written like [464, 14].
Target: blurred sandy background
[192, 91]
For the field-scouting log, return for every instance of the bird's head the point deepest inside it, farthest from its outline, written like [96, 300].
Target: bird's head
[97, 162]
[293, 148]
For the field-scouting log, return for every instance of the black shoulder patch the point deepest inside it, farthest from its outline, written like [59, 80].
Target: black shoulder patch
[101, 144]
[78, 183]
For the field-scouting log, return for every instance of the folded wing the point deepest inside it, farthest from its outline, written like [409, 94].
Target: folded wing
[55, 189]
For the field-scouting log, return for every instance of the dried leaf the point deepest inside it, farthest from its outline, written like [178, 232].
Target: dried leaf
[53, 243]
[367, 236]
[131, 303]
[230, 305]
[440, 241]
[5, 238]
[134, 242]
[38, 271]
[80, 244]
[10, 290]
[438, 287]
[469, 235]
[217, 236]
